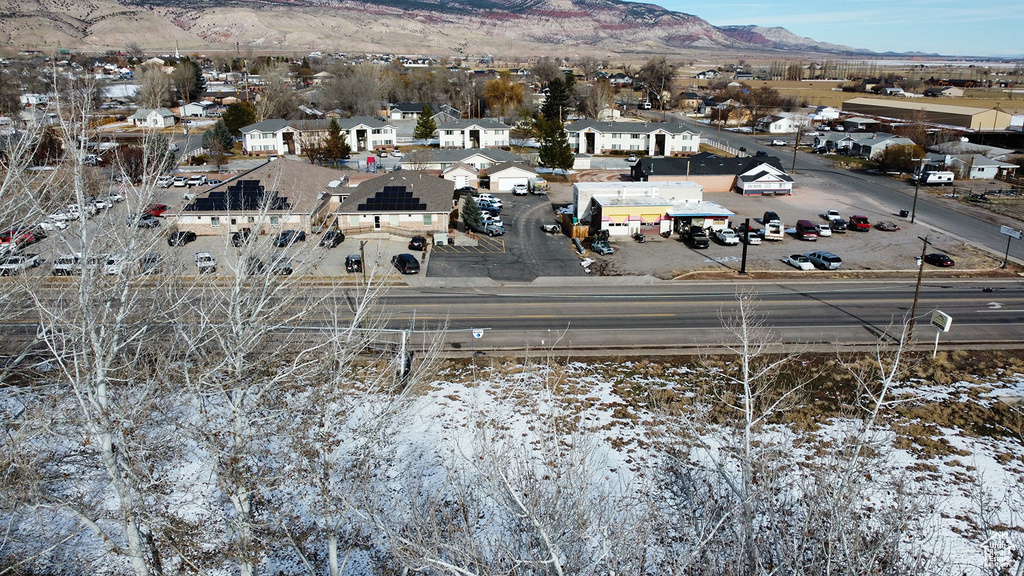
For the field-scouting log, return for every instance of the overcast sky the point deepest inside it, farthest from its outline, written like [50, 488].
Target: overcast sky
[948, 27]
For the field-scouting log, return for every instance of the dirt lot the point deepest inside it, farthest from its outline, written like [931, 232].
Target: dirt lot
[864, 254]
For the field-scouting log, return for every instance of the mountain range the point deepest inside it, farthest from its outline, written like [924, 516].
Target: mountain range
[523, 28]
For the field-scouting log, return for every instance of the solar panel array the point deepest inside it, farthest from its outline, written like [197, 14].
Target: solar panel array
[243, 195]
[392, 199]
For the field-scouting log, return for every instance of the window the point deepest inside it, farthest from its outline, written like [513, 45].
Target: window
[252, 219]
[274, 220]
[215, 221]
[617, 135]
[449, 132]
[427, 220]
[377, 131]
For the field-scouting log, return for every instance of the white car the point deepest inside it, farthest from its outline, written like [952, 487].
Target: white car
[799, 261]
[180, 182]
[397, 154]
[50, 224]
[632, 158]
[778, 143]
[824, 230]
[164, 181]
[727, 236]
[115, 264]
[520, 190]
[487, 218]
[832, 215]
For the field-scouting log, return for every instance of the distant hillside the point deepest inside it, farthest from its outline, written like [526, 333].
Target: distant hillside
[526, 27]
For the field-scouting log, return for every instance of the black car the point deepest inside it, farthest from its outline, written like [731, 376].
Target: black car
[289, 237]
[467, 190]
[255, 266]
[939, 259]
[418, 243]
[332, 238]
[181, 237]
[698, 237]
[240, 237]
[353, 263]
[406, 263]
[838, 226]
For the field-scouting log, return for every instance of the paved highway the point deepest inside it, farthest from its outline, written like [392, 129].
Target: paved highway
[838, 312]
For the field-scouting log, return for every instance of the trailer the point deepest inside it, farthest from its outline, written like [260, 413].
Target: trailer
[936, 178]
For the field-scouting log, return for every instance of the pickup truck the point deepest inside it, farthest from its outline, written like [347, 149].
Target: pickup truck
[205, 262]
[860, 223]
[490, 228]
[698, 237]
[18, 264]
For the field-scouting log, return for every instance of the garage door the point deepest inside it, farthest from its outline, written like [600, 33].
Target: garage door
[506, 184]
[461, 181]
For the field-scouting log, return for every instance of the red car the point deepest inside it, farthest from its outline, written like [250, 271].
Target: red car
[20, 236]
[860, 223]
[156, 210]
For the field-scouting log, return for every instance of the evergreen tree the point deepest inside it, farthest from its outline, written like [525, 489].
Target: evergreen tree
[471, 213]
[558, 100]
[555, 151]
[238, 116]
[425, 125]
[336, 146]
[218, 135]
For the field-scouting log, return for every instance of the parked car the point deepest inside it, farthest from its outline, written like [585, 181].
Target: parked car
[331, 238]
[520, 190]
[799, 261]
[206, 263]
[240, 237]
[115, 264]
[406, 263]
[831, 215]
[777, 142]
[632, 158]
[142, 221]
[280, 265]
[837, 226]
[698, 237]
[860, 223]
[180, 182]
[151, 263]
[467, 190]
[886, 226]
[51, 224]
[490, 228]
[20, 236]
[156, 209]
[115, 196]
[727, 236]
[67, 265]
[418, 243]
[164, 181]
[196, 180]
[551, 228]
[602, 247]
[806, 230]
[488, 197]
[289, 237]
[753, 238]
[254, 266]
[181, 238]
[353, 263]
[382, 153]
[214, 182]
[396, 153]
[19, 263]
[824, 230]
[939, 259]
[825, 260]
[770, 217]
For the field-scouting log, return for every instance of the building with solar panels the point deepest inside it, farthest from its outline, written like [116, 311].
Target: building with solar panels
[279, 195]
[403, 203]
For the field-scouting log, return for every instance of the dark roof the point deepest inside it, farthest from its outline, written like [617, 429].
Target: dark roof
[241, 195]
[286, 185]
[704, 164]
[403, 191]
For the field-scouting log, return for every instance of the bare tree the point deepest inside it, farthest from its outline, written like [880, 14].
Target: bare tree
[275, 99]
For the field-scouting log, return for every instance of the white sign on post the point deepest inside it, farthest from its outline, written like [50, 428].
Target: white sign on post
[478, 333]
[1010, 232]
[941, 320]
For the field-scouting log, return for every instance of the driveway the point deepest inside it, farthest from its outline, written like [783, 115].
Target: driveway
[524, 253]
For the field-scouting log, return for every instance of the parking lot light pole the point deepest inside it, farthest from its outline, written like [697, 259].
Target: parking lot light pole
[746, 242]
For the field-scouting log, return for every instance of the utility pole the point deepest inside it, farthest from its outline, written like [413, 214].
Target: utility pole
[799, 131]
[917, 187]
[917, 290]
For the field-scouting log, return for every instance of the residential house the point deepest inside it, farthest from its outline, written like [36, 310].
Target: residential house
[978, 167]
[833, 142]
[152, 118]
[321, 78]
[628, 208]
[783, 123]
[478, 133]
[505, 175]
[859, 124]
[441, 113]
[278, 136]
[620, 79]
[825, 113]
[403, 203]
[758, 175]
[278, 195]
[200, 109]
[706, 75]
[871, 146]
[649, 138]
[690, 101]
[477, 158]
[743, 76]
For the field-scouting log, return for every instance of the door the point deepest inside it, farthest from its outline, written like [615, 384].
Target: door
[461, 181]
[234, 225]
[376, 222]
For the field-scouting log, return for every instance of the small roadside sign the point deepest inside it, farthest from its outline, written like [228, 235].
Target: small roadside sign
[1010, 232]
[941, 320]
[478, 333]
